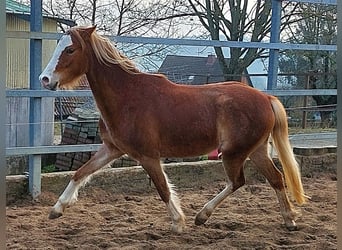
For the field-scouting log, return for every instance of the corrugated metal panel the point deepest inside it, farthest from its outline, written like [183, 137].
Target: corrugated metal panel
[49, 46]
[18, 52]
[17, 55]
[18, 68]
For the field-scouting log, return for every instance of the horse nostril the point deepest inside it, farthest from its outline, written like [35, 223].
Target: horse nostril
[45, 80]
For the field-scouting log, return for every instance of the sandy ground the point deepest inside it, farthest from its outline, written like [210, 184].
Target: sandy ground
[249, 219]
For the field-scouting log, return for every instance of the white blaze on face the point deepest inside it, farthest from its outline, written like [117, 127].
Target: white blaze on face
[48, 78]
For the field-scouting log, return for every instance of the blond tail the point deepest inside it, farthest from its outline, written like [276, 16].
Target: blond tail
[285, 153]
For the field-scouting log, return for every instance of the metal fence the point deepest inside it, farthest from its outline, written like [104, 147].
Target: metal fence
[35, 93]
[39, 150]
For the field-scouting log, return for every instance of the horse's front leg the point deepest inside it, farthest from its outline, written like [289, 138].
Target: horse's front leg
[166, 192]
[102, 157]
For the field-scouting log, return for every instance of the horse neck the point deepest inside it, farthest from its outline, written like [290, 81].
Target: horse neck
[109, 85]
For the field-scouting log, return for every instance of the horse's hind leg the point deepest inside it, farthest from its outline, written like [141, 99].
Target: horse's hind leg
[102, 157]
[166, 192]
[266, 166]
[233, 167]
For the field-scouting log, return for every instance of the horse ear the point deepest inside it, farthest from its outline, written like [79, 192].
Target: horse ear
[86, 32]
[91, 29]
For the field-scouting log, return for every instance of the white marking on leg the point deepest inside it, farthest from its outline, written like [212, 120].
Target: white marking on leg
[288, 212]
[69, 195]
[80, 178]
[209, 207]
[174, 208]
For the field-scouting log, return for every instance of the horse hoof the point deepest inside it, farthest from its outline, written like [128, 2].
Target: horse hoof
[292, 226]
[54, 215]
[200, 220]
[176, 229]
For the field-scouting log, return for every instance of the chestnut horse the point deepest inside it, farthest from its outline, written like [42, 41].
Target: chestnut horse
[148, 117]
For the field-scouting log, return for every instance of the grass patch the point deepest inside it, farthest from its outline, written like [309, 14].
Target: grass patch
[57, 127]
[48, 169]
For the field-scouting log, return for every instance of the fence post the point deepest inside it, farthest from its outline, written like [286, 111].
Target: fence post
[274, 53]
[305, 103]
[35, 102]
[3, 64]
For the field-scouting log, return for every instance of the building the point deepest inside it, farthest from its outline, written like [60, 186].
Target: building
[194, 70]
[18, 73]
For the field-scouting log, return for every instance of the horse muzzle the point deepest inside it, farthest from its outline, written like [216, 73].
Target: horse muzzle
[47, 82]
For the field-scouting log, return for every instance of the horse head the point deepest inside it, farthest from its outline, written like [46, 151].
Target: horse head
[69, 60]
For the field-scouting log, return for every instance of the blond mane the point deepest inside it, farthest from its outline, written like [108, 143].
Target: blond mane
[106, 52]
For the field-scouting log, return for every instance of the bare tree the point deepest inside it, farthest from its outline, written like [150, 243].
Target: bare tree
[156, 18]
[316, 25]
[236, 20]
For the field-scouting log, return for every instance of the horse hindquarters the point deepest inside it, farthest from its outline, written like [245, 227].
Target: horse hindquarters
[290, 167]
[240, 131]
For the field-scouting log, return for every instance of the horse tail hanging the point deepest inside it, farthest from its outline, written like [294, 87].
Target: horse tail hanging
[285, 153]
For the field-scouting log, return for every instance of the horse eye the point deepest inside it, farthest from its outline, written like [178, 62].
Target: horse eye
[69, 50]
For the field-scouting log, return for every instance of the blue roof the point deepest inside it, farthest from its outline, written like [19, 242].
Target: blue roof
[16, 7]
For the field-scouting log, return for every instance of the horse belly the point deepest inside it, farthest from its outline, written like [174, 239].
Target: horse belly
[188, 141]
[187, 150]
